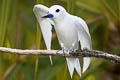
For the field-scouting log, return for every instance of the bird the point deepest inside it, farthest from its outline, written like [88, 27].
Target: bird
[71, 31]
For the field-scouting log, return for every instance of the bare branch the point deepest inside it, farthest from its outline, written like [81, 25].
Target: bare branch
[78, 53]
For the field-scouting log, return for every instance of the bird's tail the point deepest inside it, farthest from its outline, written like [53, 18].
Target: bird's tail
[51, 60]
[86, 63]
[73, 63]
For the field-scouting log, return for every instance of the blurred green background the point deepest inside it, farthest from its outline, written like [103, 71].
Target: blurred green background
[19, 29]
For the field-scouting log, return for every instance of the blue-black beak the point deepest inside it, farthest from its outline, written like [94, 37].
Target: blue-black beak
[48, 16]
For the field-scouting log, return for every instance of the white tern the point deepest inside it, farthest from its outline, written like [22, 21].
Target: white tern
[70, 30]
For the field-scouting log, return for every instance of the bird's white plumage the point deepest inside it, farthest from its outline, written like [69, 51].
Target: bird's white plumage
[85, 40]
[70, 30]
[73, 63]
[45, 24]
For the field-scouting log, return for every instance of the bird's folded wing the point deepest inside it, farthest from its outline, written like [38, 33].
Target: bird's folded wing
[84, 38]
[45, 25]
[83, 33]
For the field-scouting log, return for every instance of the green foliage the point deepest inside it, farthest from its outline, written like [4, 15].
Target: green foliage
[37, 44]
[5, 11]
[20, 29]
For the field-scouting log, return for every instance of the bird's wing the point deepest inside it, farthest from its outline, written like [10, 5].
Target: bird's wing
[84, 38]
[45, 24]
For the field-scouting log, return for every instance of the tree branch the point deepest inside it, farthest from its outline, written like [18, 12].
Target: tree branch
[78, 53]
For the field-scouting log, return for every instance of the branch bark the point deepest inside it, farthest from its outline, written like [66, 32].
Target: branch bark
[78, 53]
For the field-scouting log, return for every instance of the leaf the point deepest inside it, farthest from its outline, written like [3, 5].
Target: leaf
[4, 19]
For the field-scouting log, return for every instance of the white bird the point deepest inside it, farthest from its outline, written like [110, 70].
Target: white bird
[69, 29]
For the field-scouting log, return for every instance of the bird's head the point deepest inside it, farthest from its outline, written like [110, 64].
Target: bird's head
[56, 12]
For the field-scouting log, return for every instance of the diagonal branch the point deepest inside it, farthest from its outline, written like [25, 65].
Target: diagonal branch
[78, 53]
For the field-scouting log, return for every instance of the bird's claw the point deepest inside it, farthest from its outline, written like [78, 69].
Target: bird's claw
[63, 50]
[74, 50]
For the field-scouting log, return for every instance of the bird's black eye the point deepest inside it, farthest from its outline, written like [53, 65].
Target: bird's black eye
[57, 10]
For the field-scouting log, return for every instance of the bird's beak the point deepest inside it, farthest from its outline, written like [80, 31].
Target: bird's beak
[48, 16]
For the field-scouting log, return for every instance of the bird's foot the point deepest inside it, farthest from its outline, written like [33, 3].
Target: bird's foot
[73, 50]
[63, 50]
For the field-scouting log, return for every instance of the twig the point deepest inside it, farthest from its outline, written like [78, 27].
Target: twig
[78, 53]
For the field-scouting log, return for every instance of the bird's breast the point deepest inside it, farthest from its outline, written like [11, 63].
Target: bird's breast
[66, 34]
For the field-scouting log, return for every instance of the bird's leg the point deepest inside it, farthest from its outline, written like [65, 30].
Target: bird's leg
[63, 49]
[73, 48]
[62, 45]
